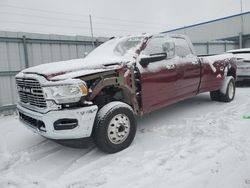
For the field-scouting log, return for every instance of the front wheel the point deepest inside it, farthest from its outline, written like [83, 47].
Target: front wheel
[115, 127]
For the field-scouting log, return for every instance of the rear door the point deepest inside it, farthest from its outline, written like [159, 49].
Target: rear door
[189, 69]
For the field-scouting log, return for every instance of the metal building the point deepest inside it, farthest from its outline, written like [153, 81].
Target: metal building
[234, 28]
[21, 50]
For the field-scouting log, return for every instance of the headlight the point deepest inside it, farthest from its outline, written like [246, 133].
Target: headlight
[65, 93]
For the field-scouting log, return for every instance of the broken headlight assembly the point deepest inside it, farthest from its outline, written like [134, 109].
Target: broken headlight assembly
[65, 94]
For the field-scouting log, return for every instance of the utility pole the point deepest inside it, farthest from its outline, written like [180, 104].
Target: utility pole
[242, 25]
[242, 21]
[91, 29]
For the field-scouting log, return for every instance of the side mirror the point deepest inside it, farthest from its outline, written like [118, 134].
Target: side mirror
[152, 58]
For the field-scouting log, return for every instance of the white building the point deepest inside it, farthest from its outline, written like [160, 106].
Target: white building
[232, 28]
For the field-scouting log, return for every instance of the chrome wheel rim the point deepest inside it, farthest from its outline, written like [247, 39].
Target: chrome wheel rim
[231, 90]
[118, 129]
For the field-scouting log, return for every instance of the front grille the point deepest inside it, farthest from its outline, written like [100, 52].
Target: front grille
[30, 92]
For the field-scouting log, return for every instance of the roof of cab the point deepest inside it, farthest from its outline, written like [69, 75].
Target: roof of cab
[239, 50]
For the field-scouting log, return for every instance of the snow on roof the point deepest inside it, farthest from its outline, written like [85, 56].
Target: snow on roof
[239, 50]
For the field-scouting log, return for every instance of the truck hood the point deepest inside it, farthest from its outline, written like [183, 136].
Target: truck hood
[74, 68]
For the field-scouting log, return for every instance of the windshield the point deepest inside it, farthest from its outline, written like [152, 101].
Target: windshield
[117, 48]
[125, 45]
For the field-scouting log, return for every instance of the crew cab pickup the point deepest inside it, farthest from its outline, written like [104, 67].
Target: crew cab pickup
[100, 95]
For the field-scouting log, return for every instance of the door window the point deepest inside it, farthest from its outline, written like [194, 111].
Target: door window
[158, 45]
[154, 46]
[182, 48]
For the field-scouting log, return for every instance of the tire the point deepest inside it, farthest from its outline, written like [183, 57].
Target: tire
[226, 96]
[215, 95]
[230, 92]
[115, 127]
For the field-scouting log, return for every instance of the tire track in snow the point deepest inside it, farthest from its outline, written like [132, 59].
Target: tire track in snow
[29, 155]
[232, 113]
[183, 141]
[229, 115]
[71, 163]
[225, 123]
[76, 162]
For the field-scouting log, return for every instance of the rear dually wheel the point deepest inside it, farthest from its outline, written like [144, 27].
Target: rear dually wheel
[226, 93]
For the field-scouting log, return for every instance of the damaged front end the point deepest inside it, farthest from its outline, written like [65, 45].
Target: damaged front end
[55, 110]
[66, 109]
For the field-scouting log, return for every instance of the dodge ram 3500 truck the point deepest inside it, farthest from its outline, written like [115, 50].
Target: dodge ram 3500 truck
[100, 95]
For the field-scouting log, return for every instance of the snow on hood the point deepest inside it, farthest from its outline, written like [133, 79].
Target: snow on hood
[116, 51]
[71, 68]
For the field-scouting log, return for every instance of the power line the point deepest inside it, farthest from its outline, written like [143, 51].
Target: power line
[129, 21]
[30, 23]
[43, 17]
[134, 24]
[63, 26]
[41, 10]
[97, 24]
[78, 21]
[82, 15]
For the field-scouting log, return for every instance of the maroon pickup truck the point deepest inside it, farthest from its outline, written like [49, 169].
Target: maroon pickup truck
[100, 95]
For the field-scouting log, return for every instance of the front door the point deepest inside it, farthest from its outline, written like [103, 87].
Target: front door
[158, 87]
[158, 79]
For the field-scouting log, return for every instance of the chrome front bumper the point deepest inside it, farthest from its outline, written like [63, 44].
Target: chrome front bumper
[85, 117]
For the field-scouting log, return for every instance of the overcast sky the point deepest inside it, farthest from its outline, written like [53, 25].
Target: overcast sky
[111, 17]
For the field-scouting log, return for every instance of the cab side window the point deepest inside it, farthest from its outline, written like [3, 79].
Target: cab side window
[159, 44]
[154, 46]
[182, 48]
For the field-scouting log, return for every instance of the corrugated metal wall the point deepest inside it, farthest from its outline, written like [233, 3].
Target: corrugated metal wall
[21, 50]
[215, 47]
[216, 29]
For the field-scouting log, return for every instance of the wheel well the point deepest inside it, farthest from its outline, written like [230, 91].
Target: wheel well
[232, 72]
[112, 93]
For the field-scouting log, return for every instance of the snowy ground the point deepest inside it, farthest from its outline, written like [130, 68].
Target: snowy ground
[195, 143]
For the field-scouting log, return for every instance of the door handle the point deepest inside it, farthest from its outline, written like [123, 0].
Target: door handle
[195, 62]
[170, 66]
